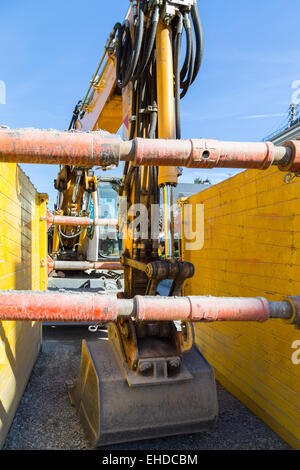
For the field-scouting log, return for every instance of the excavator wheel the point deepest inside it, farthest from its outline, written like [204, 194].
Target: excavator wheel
[114, 408]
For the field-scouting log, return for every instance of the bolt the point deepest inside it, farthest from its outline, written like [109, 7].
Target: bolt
[174, 363]
[145, 367]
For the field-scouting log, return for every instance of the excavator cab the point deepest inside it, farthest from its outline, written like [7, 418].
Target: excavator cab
[89, 251]
[110, 244]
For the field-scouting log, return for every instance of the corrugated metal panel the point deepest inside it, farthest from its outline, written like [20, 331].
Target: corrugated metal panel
[252, 248]
[22, 244]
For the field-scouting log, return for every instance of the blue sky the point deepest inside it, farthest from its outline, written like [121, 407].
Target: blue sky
[50, 50]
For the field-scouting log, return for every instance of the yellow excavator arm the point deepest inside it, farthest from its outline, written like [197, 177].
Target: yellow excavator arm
[138, 84]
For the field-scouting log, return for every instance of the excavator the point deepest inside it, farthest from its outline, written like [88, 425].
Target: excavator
[85, 256]
[148, 380]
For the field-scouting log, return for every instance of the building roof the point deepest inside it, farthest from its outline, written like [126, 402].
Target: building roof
[188, 189]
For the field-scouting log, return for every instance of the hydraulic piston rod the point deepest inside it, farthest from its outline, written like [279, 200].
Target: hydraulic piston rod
[95, 149]
[66, 306]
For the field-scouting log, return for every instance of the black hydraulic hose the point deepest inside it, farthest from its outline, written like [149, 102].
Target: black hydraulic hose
[137, 181]
[149, 188]
[147, 78]
[123, 50]
[119, 30]
[199, 39]
[144, 100]
[139, 71]
[141, 106]
[126, 52]
[136, 49]
[190, 41]
[75, 115]
[177, 75]
[155, 180]
[153, 123]
[149, 43]
[185, 68]
[187, 55]
[173, 37]
[152, 129]
[127, 172]
[128, 177]
[137, 200]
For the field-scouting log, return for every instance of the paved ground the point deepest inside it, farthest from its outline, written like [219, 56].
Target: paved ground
[46, 420]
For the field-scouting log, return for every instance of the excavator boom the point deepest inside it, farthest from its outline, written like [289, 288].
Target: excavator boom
[146, 366]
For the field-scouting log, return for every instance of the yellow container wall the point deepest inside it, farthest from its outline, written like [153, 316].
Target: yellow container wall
[22, 246]
[252, 248]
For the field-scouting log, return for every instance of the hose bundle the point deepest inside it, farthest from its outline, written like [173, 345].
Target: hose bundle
[136, 63]
[136, 66]
[133, 58]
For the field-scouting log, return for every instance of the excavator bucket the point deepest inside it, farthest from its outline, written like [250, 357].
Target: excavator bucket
[115, 406]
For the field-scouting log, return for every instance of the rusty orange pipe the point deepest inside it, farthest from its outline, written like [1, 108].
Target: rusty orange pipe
[45, 306]
[66, 306]
[208, 308]
[203, 153]
[58, 147]
[93, 148]
[85, 265]
[202, 308]
[79, 221]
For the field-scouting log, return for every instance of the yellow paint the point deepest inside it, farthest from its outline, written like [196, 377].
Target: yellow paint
[105, 109]
[252, 248]
[23, 249]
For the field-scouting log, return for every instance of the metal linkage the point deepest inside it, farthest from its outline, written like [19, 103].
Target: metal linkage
[95, 149]
[156, 271]
[66, 306]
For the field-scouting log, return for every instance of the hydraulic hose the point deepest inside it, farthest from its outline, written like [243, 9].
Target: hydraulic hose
[75, 115]
[119, 30]
[149, 44]
[187, 55]
[123, 50]
[136, 49]
[190, 54]
[177, 75]
[199, 39]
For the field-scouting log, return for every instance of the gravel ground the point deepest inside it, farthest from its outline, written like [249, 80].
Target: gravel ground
[45, 418]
